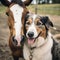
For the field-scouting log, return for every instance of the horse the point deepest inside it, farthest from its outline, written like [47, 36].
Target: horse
[16, 12]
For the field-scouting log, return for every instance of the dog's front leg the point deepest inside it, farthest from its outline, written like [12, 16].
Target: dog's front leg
[26, 52]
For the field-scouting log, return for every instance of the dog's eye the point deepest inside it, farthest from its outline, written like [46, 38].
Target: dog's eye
[38, 23]
[28, 23]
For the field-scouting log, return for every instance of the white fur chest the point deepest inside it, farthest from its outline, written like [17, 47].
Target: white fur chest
[37, 54]
[41, 55]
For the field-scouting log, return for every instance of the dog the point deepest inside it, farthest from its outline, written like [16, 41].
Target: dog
[39, 42]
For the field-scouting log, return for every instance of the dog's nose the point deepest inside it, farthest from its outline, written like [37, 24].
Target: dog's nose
[14, 40]
[31, 34]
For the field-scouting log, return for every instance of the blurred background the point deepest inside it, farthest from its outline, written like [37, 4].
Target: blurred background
[49, 8]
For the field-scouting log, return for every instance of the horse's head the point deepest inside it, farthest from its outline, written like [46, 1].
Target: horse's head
[16, 13]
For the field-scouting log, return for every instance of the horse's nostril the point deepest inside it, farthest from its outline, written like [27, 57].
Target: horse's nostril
[23, 39]
[14, 41]
[31, 34]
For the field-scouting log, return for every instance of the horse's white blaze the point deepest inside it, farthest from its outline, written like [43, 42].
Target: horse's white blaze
[9, 0]
[23, 0]
[17, 14]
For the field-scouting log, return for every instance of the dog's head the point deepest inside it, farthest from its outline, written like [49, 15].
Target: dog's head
[36, 26]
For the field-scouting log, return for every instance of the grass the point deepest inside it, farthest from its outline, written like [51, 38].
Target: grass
[52, 9]
[2, 9]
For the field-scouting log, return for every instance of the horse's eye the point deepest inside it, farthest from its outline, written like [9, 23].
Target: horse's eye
[7, 14]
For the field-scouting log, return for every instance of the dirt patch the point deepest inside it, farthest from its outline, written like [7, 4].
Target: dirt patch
[4, 36]
[5, 53]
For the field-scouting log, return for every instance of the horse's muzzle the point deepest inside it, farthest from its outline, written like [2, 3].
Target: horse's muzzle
[19, 41]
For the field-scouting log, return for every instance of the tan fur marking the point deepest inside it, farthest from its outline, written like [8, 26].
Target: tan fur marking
[42, 30]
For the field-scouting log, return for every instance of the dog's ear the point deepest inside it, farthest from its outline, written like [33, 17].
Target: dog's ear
[27, 2]
[46, 21]
[6, 2]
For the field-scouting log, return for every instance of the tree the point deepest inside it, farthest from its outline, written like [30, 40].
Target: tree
[56, 1]
[47, 1]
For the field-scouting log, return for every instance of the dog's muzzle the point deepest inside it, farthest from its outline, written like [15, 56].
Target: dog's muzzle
[30, 34]
[31, 39]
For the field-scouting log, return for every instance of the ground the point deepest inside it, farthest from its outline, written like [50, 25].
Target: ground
[5, 53]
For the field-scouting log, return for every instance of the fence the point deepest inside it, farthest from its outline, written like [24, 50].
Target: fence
[53, 9]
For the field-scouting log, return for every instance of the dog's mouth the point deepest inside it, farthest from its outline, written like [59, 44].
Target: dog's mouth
[31, 41]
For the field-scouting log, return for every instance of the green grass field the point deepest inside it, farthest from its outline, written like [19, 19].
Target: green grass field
[52, 9]
[2, 9]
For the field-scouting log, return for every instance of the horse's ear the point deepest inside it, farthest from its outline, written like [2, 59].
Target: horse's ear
[26, 2]
[6, 2]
